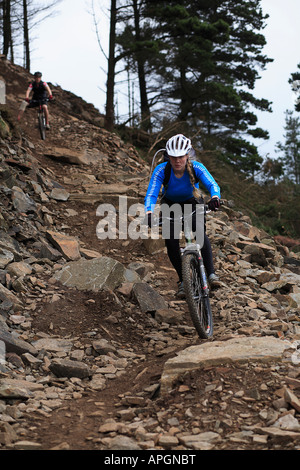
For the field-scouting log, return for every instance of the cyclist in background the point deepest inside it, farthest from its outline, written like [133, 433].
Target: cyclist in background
[182, 188]
[40, 91]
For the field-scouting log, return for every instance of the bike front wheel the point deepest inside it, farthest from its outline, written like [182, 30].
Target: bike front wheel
[197, 299]
[42, 125]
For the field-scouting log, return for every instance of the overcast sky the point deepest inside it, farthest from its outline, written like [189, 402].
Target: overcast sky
[67, 52]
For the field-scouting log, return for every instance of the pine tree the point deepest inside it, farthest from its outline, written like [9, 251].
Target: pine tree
[109, 112]
[273, 169]
[209, 53]
[291, 147]
[133, 41]
[294, 81]
[8, 46]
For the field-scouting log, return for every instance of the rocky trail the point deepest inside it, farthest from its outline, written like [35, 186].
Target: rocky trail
[97, 353]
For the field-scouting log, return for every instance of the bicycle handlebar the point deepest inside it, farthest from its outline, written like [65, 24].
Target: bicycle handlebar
[160, 220]
[39, 101]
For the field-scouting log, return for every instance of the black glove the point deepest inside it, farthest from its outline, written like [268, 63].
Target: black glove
[214, 204]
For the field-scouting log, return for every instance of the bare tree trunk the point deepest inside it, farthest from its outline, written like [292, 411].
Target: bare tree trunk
[26, 37]
[6, 26]
[110, 115]
[145, 109]
[7, 34]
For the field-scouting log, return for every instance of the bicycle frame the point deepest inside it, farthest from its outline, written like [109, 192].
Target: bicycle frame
[191, 247]
[194, 277]
[195, 248]
[41, 119]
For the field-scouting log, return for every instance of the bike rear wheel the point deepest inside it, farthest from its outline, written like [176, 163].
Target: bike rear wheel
[197, 299]
[42, 124]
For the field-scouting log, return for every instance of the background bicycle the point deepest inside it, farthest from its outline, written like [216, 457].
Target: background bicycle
[41, 117]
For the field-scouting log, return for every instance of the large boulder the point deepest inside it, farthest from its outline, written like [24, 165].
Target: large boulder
[75, 157]
[95, 274]
[236, 350]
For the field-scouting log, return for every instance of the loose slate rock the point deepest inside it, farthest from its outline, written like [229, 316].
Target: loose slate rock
[7, 295]
[59, 194]
[68, 368]
[21, 201]
[68, 246]
[53, 345]
[26, 445]
[14, 344]
[149, 300]
[6, 257]
[14, 388]
[123, 443]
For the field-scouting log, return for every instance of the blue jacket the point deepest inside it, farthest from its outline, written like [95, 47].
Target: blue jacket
[178, 189]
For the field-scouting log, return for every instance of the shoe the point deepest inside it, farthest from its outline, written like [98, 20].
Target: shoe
[180, 293]
[48, 127]
[214, 280]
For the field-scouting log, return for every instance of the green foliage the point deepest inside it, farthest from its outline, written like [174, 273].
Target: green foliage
[294, 81]
[4, 128]
[273, 206]
[7, 122]
[273, 169]
[290, 149]
[201, 59]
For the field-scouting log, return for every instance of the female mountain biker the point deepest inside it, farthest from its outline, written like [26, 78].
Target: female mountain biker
[182, 188]
[40, 91]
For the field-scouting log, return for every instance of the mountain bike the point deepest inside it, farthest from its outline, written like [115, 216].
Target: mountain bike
[42, 121]
[41, 118]
[196, 286]
[194, 276]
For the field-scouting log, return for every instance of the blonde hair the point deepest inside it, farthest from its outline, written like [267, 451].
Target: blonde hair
[189, 167]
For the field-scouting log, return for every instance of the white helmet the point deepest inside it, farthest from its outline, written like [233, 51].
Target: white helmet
[178, 146]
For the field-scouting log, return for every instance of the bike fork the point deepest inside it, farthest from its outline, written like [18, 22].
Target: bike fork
[205, 286]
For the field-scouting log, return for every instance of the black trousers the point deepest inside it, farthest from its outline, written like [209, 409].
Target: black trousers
[173, 243]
